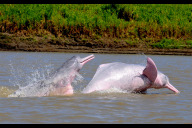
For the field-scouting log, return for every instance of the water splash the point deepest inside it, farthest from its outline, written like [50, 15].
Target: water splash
[27, 81]
[35, 80]
[24, 76]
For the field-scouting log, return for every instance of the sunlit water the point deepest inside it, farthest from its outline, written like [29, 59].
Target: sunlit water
[18, 69]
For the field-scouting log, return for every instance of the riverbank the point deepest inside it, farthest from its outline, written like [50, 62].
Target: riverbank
[49, 43]
[97, 28]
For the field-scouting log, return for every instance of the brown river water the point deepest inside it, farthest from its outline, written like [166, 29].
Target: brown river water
[157, 106]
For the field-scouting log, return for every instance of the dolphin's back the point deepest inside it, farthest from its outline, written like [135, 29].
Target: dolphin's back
[119, 75]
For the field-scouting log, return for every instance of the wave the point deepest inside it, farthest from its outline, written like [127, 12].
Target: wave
[5, 91]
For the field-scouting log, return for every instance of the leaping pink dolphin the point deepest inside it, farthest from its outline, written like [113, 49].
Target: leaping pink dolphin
[129, 77]
[65, 75]
[58, 83]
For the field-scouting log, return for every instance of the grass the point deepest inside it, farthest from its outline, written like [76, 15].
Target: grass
[172, 44]
[166, 25]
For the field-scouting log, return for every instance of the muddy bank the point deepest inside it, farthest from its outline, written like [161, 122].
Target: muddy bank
[50, 43]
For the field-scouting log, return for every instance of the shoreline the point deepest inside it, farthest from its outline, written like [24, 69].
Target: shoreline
[106, 51]
[10, 42]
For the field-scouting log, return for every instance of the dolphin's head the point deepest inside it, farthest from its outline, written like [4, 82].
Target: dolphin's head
[162, 81]
[76, 63]
[82, 61]
[69, 70]
[158, 79]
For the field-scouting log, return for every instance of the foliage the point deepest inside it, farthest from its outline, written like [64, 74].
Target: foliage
[137, 21]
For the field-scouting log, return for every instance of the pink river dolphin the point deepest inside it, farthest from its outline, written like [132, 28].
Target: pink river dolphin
[69, 70]
[58, 83]
[129, 77]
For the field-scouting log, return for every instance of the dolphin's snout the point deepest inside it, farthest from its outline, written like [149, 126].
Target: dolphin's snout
[87, 59]
[172, 88]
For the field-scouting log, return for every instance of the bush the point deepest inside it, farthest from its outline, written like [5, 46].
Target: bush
[168, 23]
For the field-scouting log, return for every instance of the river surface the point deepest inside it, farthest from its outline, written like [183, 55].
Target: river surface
[19, 69]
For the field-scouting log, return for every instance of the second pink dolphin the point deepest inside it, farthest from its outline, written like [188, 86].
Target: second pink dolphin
[129, 77]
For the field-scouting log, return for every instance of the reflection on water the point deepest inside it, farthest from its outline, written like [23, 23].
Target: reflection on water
[157, 106]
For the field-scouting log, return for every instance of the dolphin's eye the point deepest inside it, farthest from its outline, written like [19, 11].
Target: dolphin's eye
[166, 78]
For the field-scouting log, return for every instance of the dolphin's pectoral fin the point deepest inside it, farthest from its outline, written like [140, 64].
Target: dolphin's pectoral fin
[151, 70]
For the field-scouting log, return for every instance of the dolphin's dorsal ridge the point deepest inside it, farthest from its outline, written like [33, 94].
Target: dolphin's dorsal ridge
[151, 70]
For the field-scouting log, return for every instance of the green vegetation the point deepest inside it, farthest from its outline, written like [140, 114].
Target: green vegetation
[162, 26]
[172, 44]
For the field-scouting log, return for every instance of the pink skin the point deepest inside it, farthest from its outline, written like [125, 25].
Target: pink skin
[67, 90]
[129, 77]
[62, 91]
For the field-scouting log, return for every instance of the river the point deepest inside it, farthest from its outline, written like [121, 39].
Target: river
[157, 106]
